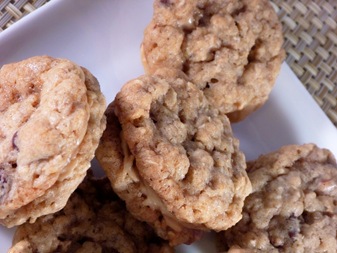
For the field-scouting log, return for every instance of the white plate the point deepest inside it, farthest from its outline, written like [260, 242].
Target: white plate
[104, 36]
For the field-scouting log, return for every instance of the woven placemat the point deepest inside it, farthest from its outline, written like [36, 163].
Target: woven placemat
[310, 31]
[11, 11]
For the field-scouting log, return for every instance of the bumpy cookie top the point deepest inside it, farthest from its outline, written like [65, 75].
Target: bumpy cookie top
[293, 205]
[179, 155]
[94, 220]
[231, 49]
[46, 112]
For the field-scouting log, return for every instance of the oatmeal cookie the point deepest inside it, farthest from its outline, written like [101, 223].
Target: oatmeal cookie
[52, 116]
[231, 49]
[94, 220]
[173, 158]
[293, 206]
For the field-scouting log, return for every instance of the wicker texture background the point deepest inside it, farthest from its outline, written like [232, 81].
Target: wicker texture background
[11, 11]
[310, 30]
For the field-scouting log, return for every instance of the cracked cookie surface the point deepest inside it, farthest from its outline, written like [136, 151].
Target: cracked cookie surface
[173, 157]
[94, 220]
[231, 49]
[293, 205]
[52, 115]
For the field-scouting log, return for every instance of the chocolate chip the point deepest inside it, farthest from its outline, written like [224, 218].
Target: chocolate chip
[292, 233]
[165, 2]
[62, 237]
[14, 141]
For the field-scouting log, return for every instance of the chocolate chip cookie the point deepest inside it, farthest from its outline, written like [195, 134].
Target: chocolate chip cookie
[173, 158]
[293, 206]
[52, 117]
[230, 49]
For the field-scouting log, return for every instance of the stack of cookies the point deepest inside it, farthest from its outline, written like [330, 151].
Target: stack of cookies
[169, 150]
[174, 169]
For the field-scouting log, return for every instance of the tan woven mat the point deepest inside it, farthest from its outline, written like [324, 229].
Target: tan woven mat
[13, 10]
[310, 30]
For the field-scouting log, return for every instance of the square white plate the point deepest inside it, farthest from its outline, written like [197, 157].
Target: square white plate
[104, 36]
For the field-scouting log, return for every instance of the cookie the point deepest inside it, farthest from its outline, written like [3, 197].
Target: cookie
[93, 220]
[230, 49]
[173, 158]
[293, 205]
[52, 117]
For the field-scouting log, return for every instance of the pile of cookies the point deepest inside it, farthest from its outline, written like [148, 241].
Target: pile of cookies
[174, 168]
